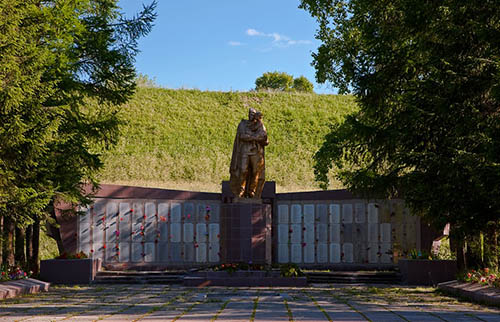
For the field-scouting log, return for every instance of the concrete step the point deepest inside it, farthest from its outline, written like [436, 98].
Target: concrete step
[364, 277]
[139, 277]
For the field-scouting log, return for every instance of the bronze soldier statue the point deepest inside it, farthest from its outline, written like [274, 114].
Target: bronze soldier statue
[247, 162]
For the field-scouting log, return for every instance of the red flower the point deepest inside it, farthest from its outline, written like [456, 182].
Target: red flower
[104, 246]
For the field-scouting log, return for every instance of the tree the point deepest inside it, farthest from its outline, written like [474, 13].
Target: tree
[302, 84]
[65, 67]
[426, 78]
[278, 81]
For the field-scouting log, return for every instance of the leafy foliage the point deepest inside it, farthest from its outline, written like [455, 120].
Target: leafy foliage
[426, 78]
[279, 81]
[302, 84]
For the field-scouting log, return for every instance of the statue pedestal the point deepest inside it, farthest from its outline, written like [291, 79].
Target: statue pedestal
[246, 233]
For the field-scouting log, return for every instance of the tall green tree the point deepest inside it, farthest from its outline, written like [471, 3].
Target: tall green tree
[302, 84]
[426, 78]
[65, 66]
[279, 81]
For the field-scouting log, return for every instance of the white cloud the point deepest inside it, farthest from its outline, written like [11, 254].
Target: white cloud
[235, 43]
[279, 40]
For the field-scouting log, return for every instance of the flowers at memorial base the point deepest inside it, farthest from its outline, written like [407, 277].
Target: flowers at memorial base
[481, 276]
[12, 273]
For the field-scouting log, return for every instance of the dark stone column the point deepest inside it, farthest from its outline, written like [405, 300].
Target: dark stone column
[246, 233]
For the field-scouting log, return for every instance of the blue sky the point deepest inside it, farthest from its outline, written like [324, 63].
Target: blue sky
[224, 45]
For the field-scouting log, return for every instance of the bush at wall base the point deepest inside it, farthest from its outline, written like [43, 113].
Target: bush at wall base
[69, 271]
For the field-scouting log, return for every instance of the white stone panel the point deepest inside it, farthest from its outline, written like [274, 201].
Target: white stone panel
[125, 210]
[124, 252]
[201, 253]
[322, 253]
[84, 233]
[372, 213]
[296, 253]
[98, 251]
[175, 232]
[98, 230]
[136, 232]
[334, 253]
[163, 229]
[150, 232]
[386, 251]
[86, 215]
[347, 213]
[283, 214]
[136, 252]
[283, 253]
[335, 233]
[309, 233]
[373, 253]
[334, 213]
[124, 229]
[111, 222]
[322, 233]
[149, 252]
[175, 212]
[150, 208]
[296, 235]
[360, 213]
[214, 213]
[189, 211]
[201, 233]
[163, 212]
[385, 233]
[283, 233]
[309, 214]
[309, 253]
[111, 254]
[213, 233]
[213, 252]
[85, 248]
[296, 214]
[163, 253]
[138, 212]
[188, 233]
[347, 249]
[373, 233]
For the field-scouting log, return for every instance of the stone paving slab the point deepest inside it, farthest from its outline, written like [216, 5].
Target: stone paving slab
[16, 288]
[177, 303]
[473, 291]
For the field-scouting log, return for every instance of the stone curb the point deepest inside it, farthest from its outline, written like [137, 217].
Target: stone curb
[473, 291]
[19, 287]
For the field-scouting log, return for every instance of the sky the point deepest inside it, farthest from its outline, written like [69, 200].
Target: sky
[224, 45]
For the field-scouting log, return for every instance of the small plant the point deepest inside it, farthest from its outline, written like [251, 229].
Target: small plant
[290, 270]
[482, 276]
[80, 255]
[12, 273]
[414, 254]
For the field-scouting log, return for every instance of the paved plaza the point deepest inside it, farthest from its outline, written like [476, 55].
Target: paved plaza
[177, 303]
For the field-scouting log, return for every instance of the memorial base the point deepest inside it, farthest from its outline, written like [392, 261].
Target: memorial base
[246, 234]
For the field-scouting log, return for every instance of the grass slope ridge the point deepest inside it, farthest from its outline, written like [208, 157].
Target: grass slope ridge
[182, 139]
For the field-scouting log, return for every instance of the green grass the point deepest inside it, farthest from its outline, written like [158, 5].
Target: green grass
[183, 138]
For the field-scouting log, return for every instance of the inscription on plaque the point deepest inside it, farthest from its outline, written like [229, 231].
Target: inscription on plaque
[347, 213]
[189, 212]
[360, 213]
[150, 208]
[213, 233]
[201, 253]
[283, 214]
[334, 253]
[296, 214]
[201, 233]
[175, 213]
[309, 214]
[296, 235]
[124, 252]
[335, 213]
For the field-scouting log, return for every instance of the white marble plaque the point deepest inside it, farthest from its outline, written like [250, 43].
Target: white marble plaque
[322, 253]
[85, 248]
[125, 211]
[175, 232]
[111, 222]
[372, 213]
[347, 213]
[373, 253]
[188, 233]
[124, 229]
[149, 252]
[189, 253]
[334, 213]
[150, 232]
[373, 233]
[309, 253]
[335, 233]
[213, 252]
[84, 232]
[296, 214]
[283, 253]
[296, 234]
[98, 251]
[111, 254]
[386, 251]
[98, 230]
[322, 233]
[347, 249]
[163, 212]
[309, 235]
[86, 215]
[124, 252]
[175, 212]
[309, 214]
[334, 253]
[163, 253]
[213, 233]
[201, 212]
[150, 208]
[201, 233]
[360, 213]
[296, 253]
[136, 252]
[163, 228]
[385, 233]
[201, 253]
[283, 233]
[214, 213]
[189, 212]
[138, 212]
[282, 214]
[137, 232]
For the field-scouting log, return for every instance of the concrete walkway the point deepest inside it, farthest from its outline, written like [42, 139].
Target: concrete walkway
[177, 303]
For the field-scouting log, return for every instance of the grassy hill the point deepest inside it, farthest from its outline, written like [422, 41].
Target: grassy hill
[182, 139]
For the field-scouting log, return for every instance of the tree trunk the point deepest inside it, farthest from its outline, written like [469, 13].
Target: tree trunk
[457, 245]
[8, 239]
[53, 231]
[491, 247]
[34, 261]
[29, 243]
[19, 249]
